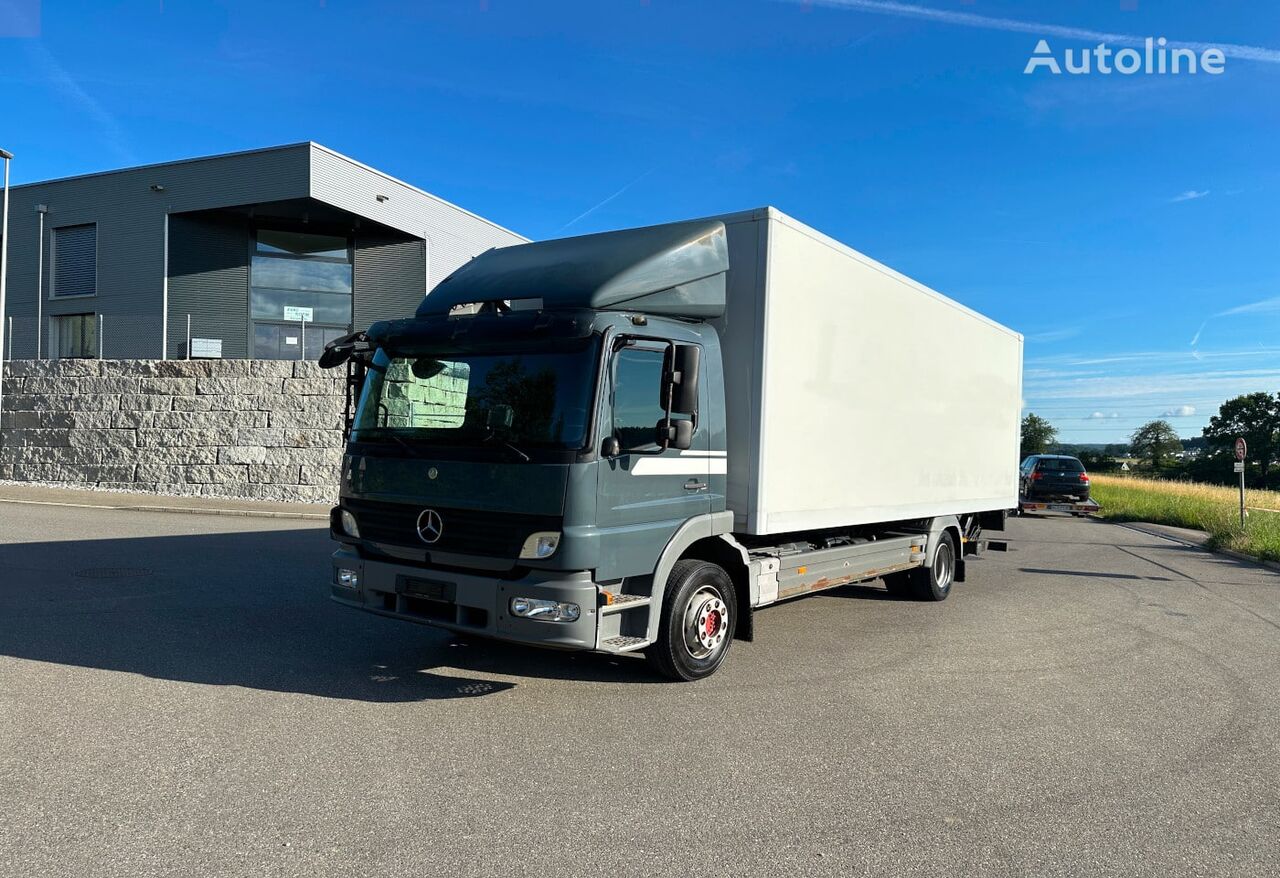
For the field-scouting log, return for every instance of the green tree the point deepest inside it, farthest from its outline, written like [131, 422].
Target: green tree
[1256, 417]
[1037, 435]
[1154, 441]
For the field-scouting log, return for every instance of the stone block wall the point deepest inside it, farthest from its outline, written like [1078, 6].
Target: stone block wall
[250, 429]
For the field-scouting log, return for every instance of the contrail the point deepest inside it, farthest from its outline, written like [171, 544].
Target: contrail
[969, 19]
[62, 80]
[586, 213]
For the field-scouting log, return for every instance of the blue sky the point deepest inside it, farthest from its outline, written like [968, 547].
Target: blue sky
[1128, 225]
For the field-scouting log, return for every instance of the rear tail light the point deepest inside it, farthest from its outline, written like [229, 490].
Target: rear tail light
[1036, 476]
[1084, 477]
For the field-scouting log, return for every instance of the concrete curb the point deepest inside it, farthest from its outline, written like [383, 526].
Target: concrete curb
[188, 510]
[1238, 556]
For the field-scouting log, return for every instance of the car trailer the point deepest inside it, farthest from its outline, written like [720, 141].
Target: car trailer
[1083, 507]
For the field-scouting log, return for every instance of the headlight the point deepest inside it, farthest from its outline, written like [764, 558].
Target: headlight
[541, 545]
[349, 525]
[545, 611]
[348, 578]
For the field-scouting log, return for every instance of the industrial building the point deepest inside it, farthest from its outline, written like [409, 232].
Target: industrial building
[265, 254]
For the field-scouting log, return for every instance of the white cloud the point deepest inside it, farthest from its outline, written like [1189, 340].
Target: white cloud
[1099, 416]
[986, 22]
[1189, 195]
[1051, 335]
[1182, 411]
[1265, 306]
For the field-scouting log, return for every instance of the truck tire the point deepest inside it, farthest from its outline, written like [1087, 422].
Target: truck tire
[699, 612]
[933, 582]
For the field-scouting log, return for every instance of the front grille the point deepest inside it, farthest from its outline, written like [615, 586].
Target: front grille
[466, 531]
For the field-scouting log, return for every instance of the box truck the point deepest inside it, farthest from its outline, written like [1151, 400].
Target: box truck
[631, 441]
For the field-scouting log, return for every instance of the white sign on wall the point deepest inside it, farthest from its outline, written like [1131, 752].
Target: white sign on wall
[294, 313]
[206, 348]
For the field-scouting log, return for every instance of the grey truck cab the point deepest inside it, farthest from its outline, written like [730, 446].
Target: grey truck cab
[540, 455]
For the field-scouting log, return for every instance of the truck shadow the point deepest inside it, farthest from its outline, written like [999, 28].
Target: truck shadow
[247, 609]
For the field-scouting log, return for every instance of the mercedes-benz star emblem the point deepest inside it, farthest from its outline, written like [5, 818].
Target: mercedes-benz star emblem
[430, 526]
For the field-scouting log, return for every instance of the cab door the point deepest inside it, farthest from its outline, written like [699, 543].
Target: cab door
[644, 492]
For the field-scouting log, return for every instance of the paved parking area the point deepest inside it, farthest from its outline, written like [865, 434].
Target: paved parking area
[178, 697]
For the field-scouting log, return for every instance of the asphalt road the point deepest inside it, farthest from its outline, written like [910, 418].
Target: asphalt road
[178, 697]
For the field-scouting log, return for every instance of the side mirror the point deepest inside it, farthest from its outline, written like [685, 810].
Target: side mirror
[683, 379]
[339, 350]
[499, 417]
[674, 434]
[611, 447]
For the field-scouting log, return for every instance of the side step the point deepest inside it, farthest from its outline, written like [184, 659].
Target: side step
[625, 602]
[623, 643]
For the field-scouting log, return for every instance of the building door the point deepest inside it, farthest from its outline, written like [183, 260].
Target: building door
[285, 341]
[300, 293]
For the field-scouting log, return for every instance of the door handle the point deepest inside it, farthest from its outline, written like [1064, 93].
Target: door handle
[695, 485]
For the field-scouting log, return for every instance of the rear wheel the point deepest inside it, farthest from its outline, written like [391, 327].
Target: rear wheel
[930, 583]
[699, 612]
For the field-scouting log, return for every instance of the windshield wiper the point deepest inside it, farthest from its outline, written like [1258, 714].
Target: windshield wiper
[403, 444]
[493, 437]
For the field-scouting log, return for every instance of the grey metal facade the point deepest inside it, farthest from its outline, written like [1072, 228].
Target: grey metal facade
[174, 240]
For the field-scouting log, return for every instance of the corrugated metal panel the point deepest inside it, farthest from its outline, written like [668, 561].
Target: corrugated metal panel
[75, 260]
[453, 234]
[208, 280]
[390, 277]
[130, 219]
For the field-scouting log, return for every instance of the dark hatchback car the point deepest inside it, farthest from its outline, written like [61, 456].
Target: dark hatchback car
[1053, 477]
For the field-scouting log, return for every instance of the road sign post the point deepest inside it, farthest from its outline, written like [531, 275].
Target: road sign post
[1242, 450]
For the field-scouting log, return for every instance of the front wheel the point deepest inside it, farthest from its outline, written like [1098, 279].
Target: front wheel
[699, 612]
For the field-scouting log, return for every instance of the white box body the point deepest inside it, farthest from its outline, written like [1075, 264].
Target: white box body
[854, 394]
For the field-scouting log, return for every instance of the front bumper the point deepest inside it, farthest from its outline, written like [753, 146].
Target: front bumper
[473, 603]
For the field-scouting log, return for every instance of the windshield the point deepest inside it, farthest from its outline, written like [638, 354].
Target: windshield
[532, 399]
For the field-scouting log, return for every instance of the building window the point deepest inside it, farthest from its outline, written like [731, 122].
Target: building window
[298, 278]
[76, 336]
[75, 261]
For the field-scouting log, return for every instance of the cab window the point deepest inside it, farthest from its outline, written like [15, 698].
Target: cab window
[637, 385]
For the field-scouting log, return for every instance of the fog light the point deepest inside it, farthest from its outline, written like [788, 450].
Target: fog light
[348, 578]
[349, 525]
[541, 545]
[546, 611]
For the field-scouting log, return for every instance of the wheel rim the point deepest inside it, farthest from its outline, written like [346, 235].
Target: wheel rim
[706, 622]
[943, 566]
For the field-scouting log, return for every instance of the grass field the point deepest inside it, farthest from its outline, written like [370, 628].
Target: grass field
[1210, 508]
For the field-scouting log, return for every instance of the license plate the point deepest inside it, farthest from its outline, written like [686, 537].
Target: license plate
[431, 589]
[1060, 507]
